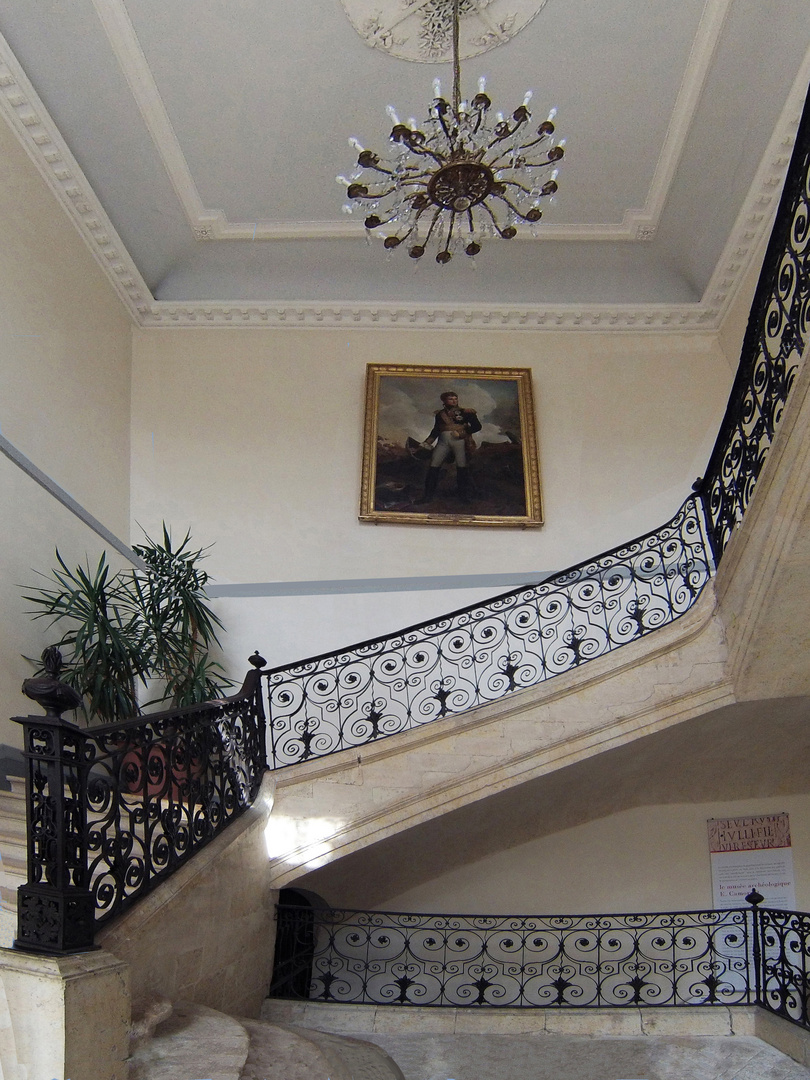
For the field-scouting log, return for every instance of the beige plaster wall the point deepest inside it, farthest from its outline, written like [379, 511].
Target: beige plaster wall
[650, 858]
[254, 439]
[64, 401]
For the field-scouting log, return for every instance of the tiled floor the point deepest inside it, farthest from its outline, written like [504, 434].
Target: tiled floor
[567, 1057]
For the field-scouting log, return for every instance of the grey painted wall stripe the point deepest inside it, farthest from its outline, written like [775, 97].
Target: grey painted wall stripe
[276, 588]
[41, 478]
[501, 582]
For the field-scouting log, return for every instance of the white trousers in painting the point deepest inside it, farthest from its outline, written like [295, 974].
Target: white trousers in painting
[447, 446]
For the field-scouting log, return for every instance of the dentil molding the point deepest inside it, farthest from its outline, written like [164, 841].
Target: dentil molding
[29, 120]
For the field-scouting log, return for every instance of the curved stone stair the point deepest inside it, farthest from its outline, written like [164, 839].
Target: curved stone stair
[283, 1052]
[195, 1041]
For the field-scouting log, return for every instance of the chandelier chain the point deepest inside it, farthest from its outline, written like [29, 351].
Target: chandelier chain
[456, 60]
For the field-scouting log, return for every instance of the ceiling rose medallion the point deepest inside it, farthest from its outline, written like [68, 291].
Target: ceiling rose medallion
[462, 176]
[421, 30]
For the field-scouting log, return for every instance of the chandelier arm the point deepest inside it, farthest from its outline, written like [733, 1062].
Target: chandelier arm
[446, 248]
[415, 181]
[534, 142]
[425, 152]
[436, 217]
[494, 164]
[451, 141]
[414, 225]
[479, 121]
[507, 133]
[494, 144]
[512, 206]
[516, 184]
[494, 219]
[377, 195]
[380, 169]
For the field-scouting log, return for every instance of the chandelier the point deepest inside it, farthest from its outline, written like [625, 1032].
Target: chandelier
[461, 177]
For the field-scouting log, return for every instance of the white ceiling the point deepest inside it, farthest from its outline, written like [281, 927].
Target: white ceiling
[195, 143]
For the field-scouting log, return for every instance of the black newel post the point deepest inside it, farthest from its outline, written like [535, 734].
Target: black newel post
[258, 718]
[55, 907]
[755, 898]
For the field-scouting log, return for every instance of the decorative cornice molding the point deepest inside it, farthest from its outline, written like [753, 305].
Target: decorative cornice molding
[40, 138]
[37, 133]
[210, 224]
[600, 317]
[761, 202]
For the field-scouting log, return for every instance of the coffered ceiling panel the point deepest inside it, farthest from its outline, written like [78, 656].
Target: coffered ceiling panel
[203, 138]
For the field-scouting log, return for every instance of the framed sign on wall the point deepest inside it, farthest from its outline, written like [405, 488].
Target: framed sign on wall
[450, 446]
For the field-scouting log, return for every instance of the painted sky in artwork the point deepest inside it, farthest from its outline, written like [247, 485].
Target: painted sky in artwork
[407, 406]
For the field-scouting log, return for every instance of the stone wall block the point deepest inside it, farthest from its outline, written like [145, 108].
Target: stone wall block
[69, 1016]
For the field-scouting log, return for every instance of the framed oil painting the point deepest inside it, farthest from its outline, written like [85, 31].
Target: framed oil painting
[450, 446]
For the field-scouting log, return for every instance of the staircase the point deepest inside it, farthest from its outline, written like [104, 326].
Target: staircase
[431, 1044]
[12, 855]
[197, 1041]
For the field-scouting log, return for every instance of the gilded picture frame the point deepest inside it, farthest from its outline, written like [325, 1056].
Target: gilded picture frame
[450, 446]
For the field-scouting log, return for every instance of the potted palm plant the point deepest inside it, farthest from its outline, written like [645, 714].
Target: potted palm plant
[125, 631]
[136, 627]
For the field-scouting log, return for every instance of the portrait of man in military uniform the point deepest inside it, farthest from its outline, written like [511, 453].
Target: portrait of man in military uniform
[450, 446]
[451, 440]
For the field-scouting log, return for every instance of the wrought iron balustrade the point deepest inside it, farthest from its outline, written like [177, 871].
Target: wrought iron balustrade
[783, 947]
[778, 332]
[113, 810]
[577, 961]
[481, 653]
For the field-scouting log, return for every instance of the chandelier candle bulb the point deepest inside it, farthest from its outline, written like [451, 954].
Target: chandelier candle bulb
[437, 88]
[482, 84]
[527, 97]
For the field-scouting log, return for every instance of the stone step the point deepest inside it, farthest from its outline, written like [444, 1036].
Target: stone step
[284, 1052]
[194, 1041]
[13, 845]
[720, 1043]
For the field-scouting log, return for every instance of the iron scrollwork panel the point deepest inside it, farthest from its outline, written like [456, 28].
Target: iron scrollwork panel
[160, 789]
[785, 964]
[775, 339]
[483, 653]
[387, 958]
